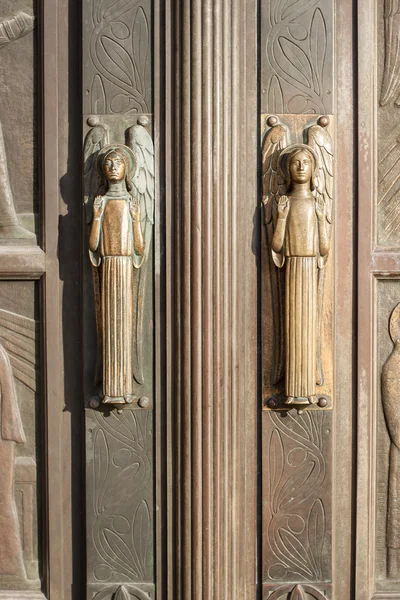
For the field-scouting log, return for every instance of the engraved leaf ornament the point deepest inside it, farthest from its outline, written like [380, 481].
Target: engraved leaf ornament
[140, 46]
[316, 532]
[298, 593]
[141, 532]
[300, 66]
[297, 51]
[318, 42]
[122, 594]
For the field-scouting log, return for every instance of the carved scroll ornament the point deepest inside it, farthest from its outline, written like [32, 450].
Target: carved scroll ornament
[121, 219]
[297, 195]
[391, 407]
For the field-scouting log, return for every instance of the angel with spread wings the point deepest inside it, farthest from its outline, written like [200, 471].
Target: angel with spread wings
[119, 243]
[297, 195]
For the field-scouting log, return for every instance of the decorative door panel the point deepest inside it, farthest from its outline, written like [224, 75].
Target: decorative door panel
[306, 333]
[378, 574]
[118, 299]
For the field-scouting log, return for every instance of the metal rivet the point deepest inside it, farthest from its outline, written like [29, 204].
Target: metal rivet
[144, 402]
[272, 120]
[322, 402]
[272, 402]
[323, 121]
[94, 402]
[93, 121]
[143, 121]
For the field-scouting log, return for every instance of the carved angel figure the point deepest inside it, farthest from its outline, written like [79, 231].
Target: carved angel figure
[117, 249]
[391, 408]
[11, 433]
[298, 217]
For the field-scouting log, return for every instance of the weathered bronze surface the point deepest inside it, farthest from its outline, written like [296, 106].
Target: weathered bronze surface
[297, 56]
[117, 57]
[297, 503]
[297, 196]
[119, 242]
[120, 520]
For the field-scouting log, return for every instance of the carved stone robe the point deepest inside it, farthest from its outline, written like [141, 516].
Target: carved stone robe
[11, 433]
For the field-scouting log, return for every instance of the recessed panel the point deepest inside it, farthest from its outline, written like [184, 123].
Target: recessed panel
[21, 439]
[19, 202]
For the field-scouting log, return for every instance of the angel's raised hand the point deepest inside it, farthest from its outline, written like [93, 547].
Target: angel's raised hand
[283, 208]
[98, 206]
[134, 209]
[320, 209]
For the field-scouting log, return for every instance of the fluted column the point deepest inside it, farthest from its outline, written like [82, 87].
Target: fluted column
[211, 304]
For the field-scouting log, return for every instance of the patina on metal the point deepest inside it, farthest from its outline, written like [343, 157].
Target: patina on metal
[117, 250]
[297, 195]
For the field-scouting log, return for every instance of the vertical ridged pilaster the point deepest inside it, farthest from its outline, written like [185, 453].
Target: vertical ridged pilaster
[212, 298]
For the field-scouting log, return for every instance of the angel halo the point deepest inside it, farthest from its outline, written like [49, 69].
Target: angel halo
[121, 220]
[297, 196]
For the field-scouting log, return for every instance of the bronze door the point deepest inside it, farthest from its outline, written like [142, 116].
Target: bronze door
[199, 299]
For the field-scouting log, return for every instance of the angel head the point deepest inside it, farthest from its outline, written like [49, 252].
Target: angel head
[298, 164]
[117, 163]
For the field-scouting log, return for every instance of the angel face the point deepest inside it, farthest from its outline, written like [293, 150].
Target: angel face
[301, 167]
[114, 167]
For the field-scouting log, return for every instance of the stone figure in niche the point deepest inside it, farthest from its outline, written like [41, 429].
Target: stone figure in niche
[297, 198]
[10, 30]
[391, 407]
[12, 433]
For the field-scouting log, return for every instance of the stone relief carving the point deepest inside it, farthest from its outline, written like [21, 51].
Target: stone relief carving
[297, 533]
[298, 592]
[18, 559]
[11, 29]
[122, 521]
[19, 565]
[391, 407]
[297, 196]
[117, 76]
[297, 70]
[390, 91]
[15, 27]
[119, 243]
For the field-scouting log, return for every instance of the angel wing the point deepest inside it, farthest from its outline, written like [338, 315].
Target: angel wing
[141, 143]
[274, 142]
[391, 75]
[319, 139]
[95, 140]
[18, 336]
